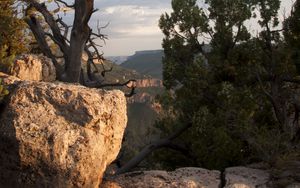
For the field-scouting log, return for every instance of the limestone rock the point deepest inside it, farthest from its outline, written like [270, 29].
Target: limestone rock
[182, 177]
[33, 67]
[242, 177]
[8, 80]
[59, 135]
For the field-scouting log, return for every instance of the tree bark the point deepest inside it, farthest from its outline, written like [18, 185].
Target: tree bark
[79, 36]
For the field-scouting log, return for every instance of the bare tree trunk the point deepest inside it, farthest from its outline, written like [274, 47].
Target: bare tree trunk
[79, 36]
[72, 53]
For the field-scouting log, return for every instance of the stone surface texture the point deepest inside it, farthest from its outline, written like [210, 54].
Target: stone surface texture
[59, 135]
[233, 177]
[182, 177]
[8, 80]
[34, 68]
[243, 177]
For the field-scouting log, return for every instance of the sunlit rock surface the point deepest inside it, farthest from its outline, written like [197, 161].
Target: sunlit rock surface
[59, 135]
[33, 67]
[149, 82]
[242, 177]
[233, 177]
[182, 177]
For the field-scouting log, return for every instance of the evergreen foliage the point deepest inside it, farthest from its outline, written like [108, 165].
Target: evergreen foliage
[239, 91]
[12, 28]
[3, 91]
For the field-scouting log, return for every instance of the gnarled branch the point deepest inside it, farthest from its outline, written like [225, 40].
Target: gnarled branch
[166, 142]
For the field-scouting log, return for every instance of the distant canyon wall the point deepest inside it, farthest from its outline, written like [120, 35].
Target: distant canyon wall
[149, 82]
[146, 90]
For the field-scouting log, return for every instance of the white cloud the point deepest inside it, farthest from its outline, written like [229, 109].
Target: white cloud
[131, 20]
[131, 26]
[127, 46]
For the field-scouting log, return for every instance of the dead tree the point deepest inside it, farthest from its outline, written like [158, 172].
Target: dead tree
[72, 46]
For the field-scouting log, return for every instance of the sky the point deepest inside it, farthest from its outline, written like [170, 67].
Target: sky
[133, 24]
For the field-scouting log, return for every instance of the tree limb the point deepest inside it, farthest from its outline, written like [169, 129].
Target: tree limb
[167, 142]
[40, 36]
[65, 3]
[41, 7]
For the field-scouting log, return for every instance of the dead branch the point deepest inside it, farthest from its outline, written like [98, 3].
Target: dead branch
[129, 84]
[40, 36]
[278, 113]
[65, 26]
[65, 3]
[166, 142]
[60, 40]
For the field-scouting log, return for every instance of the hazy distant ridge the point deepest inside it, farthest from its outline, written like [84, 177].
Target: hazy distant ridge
[148, 62]
[117, 59]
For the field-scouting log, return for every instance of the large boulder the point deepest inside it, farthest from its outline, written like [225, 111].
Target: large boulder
[182, 177]
[59, 135]
[34, 68]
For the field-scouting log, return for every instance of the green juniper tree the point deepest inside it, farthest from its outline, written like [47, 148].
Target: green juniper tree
[204, 85]
[231, 96]
[239, 96]
[292, 34]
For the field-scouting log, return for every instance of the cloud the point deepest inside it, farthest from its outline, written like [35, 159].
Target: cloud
[147, 3]
[130, 20]
[133, 24]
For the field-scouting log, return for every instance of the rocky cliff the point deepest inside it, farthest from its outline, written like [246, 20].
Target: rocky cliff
[149, 82]
[147, 89]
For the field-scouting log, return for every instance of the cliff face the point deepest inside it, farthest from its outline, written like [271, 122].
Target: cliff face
[146, 63]
[142, 113]
[141, 97]
[149, 82]
[58, 135]
[147, 89]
